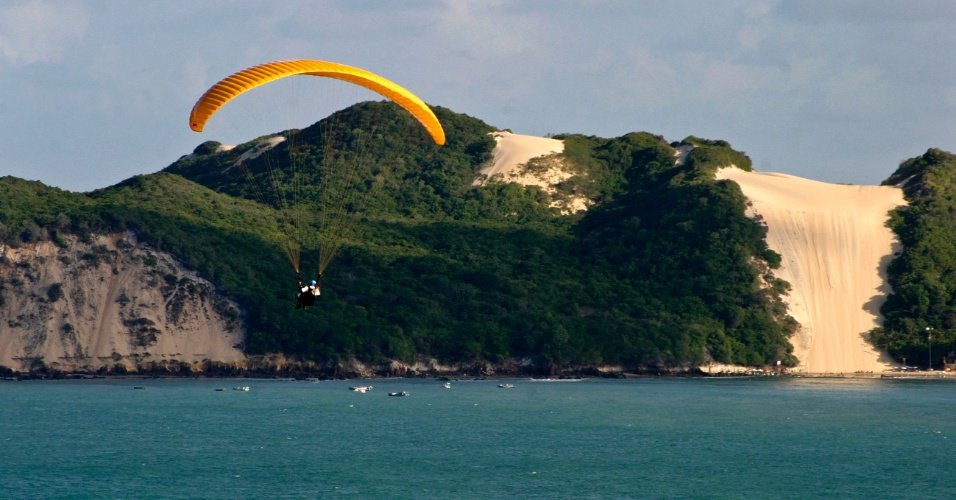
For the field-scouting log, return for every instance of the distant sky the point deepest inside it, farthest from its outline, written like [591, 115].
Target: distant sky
[95, 91]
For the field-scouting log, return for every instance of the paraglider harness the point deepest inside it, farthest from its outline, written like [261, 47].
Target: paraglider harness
[308, 292]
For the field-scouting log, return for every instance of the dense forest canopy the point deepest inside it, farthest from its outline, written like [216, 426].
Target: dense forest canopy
[922, 307]
[664, 270]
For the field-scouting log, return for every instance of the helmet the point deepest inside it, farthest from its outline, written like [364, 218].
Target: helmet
[312, 282]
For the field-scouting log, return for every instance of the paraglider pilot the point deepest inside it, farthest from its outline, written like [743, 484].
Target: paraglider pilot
[308, 292]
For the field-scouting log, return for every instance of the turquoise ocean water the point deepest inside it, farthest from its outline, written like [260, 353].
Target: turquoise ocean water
[646, 438]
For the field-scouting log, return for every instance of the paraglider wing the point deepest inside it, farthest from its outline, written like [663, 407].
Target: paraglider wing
[232, 86]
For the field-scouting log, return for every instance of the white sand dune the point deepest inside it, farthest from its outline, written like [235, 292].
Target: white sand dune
[835, 248]
[513, 150]
[510, 161]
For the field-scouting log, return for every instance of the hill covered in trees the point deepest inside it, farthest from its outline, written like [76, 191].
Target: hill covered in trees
[922, 308]
[664, 270]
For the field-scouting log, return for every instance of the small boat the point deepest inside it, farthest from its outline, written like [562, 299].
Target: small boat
[399, 394]
[138, 387]
[219, 389]
[506, 386]
[361, 388]
[446, 385]
[243, 388]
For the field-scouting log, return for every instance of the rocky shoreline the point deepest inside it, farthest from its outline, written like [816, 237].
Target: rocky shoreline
[278, 366]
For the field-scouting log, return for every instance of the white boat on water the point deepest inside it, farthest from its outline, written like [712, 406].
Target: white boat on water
[446, 385]
[398, 394]
[361, 388]
[243, 388]
[506, 386]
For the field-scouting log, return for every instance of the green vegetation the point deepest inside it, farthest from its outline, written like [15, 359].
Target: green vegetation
[665, 270]
[675, 255]
[707, 156]
[923, 276]
[31, 211]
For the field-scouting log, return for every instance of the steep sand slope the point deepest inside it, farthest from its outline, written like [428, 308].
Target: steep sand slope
[835, 248]
[107, 302]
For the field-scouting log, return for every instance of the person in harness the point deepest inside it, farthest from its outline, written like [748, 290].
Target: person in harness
[308, 292]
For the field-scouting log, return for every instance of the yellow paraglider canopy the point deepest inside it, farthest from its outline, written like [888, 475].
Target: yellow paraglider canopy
[233, 85]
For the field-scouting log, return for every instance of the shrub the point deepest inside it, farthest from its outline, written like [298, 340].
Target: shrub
[55, 292]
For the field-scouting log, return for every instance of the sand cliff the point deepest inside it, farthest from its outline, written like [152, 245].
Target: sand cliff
[81, 306]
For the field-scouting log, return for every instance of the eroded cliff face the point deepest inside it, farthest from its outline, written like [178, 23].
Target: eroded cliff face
[111, 302]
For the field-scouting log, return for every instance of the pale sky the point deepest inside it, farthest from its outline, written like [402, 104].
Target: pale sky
[96, 91]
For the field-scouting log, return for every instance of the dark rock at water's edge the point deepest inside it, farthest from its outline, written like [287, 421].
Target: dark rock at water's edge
[283, 367]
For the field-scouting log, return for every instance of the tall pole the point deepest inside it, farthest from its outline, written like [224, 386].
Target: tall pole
[929, 342]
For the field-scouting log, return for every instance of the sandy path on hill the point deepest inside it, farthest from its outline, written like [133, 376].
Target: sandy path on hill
[835, 248]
